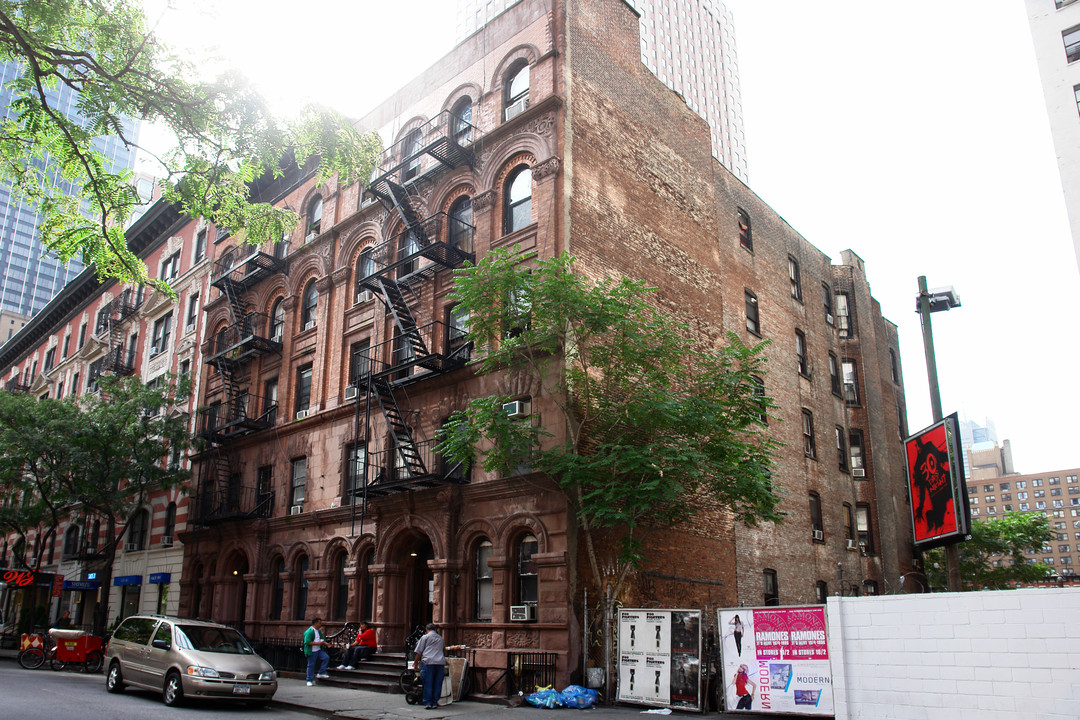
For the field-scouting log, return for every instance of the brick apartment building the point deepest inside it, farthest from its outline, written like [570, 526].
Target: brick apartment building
[327, 362]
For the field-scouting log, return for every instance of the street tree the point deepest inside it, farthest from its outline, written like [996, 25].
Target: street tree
[93, 461]
[651, 423]
[227, 137]
[1007, 538]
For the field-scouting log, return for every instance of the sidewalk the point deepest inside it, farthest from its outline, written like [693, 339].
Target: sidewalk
[327, 701]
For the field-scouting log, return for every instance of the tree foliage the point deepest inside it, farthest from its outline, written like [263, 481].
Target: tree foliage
[650, 424]
[94, 459]
[227, 136]
[1007, 538]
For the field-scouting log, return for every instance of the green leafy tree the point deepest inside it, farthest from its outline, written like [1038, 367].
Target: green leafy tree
[92, 460]
[1007, 538]
[227, 138]
[650, 424]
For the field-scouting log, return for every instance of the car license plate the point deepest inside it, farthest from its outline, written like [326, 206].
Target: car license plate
[241, 689]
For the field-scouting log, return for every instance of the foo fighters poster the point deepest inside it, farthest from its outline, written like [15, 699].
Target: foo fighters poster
[660, 658]
[939, 514]
[776, 660]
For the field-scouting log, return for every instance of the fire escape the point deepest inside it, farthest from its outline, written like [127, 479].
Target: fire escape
[110, 324]
[400, 270]
[220, 496]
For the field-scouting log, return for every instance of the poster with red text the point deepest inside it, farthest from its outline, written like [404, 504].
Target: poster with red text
[776, 660]
[935, 479]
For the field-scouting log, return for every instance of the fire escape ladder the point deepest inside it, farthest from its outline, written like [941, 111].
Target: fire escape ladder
[233, 294]
[391, 296]
[404, 208]
[404, 444]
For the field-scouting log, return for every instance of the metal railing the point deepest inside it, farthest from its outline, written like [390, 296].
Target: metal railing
[423, 148]
[216, 504]
[251, 333]
[245, 411]
[446, 347]
[387, 472]
[449, 243]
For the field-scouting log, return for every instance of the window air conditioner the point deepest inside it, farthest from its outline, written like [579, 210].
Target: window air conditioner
[350, 392]
[516, 109]
[858, 472]
[852, 545]
[843, 332]
[819, 535]
[522, 613]
[296, 509]
[166, 541]
[516, 409]
[301, 414]
[189, 327]
[309, 324]
[311, 236]
[153, 351]
[276, 338]
[363, 297]
[130, 547]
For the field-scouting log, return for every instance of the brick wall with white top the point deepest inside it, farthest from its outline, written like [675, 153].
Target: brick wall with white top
[980, 655]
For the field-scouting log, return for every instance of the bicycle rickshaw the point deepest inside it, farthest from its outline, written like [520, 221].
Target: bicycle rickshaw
[61, 648]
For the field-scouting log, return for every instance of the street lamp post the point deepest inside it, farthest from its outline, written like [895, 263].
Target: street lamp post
[939, 299]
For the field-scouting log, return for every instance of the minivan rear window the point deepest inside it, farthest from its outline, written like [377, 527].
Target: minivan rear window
[212, 639]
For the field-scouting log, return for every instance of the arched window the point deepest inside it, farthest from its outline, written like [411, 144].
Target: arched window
[365, 266]
[277, 588]
[461, 224]
[368, 598]
[484, 580]
[461, 122]
[516, 94]
[170, 521]
[277, 320]
[137, 527]
[527, 580]
[341, 594]
[311, 304]
[518, 199]
[300, 588]
[410, 154]
[71, 541]
[314, 218]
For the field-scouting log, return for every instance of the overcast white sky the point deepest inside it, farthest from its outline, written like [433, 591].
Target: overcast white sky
[913, 133]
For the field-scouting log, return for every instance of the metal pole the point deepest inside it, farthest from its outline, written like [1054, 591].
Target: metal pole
[952, 552]
[609, 686]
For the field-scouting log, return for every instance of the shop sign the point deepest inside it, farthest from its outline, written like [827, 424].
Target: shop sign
[25, 578]
[81, 585]
[127, 580]
[160, 578]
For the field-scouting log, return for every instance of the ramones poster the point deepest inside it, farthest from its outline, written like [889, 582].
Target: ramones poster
[776, 660]
[660, 658]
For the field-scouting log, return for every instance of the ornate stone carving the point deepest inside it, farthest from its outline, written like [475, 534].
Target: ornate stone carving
[543, 169]
[483, 202]
[543, 125]
[340, 276]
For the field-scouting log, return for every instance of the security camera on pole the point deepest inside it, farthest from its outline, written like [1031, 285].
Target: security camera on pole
[940, 514]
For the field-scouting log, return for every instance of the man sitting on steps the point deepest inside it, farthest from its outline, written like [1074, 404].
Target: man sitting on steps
[361, 649]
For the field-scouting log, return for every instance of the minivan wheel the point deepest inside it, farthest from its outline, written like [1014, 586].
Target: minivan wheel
[173, 692]
[114, 681]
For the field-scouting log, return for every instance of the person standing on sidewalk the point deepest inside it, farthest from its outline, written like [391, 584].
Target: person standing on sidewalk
[430, 653]
[313, 649]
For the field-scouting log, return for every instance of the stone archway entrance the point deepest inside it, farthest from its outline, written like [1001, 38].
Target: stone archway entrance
[234, 591]
[419, 582]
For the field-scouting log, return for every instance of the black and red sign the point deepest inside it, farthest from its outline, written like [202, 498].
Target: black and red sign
[939, 514]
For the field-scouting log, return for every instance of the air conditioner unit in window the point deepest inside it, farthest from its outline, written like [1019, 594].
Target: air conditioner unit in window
[852, 544]
[166, 541]
[843, 332]
[363, 297]
[858, 472]
[296, 509]
[301, 414]
[276, 338]
[153, 351]
[131, 547]
[309, 324]
[522, 613]
[350, 392]
[189, 327]
[311, 236]
[516, 109]
[516, 409]
[819, 535]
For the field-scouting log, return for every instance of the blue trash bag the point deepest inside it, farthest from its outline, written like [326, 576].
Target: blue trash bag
[546, 698]
[575, 696]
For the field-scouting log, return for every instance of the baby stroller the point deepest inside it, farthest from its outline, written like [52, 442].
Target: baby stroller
[410, 681]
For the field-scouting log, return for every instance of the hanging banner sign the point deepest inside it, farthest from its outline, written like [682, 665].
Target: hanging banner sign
[159, 578]
[776, 660]
[939, 508]
[127, 580]
[660, 658]
[81, 585]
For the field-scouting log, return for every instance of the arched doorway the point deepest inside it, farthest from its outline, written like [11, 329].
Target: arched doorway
[419, 582]
[234, 595]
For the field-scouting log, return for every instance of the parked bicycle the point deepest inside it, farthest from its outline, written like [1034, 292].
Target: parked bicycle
[62, 648]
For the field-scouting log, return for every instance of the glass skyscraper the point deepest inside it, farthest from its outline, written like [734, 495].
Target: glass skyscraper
[30, 277]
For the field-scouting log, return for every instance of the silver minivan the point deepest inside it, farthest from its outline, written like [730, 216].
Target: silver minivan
[186, 659]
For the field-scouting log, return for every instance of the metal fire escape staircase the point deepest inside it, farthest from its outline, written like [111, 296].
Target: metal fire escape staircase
[404, 264]
[111, 324]
[220, 496]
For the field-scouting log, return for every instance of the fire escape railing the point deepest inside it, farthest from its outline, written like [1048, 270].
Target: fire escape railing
[387, 472]
[443, 142]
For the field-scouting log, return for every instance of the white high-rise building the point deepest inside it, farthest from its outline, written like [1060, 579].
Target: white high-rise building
[690, 46]
[1055, 32]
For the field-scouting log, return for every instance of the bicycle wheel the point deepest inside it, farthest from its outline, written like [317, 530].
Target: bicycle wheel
[407, 681]
[32, 658]
[94, 661]
[55, 663]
